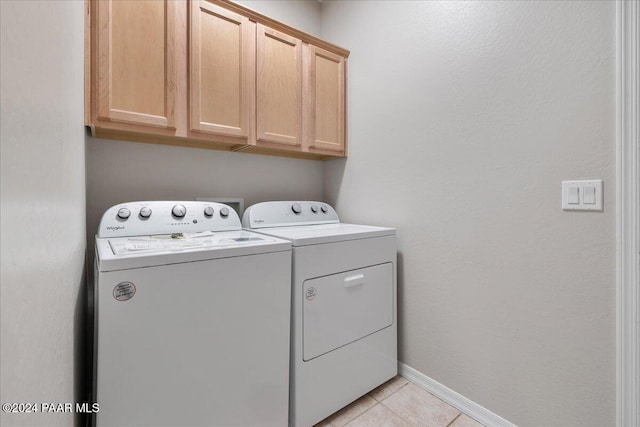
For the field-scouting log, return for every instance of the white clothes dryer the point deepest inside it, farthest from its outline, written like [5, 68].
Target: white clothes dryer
[191, 318]
[344, 320]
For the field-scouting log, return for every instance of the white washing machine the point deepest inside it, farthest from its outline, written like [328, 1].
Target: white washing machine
[344, 324]
[191, 318]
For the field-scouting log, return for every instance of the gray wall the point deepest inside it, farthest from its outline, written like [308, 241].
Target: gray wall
[43, 205]
[302, 14]
[124, 171]
[464, 119]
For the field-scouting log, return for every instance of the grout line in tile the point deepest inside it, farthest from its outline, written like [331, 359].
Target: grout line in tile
[457, 416]
[449, 405]
[399, 388]
[400, 416]
[411, 382]
[357, 415]
[394, 412]
[380, 400]
[368, 409]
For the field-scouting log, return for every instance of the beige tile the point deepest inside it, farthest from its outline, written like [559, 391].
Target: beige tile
[378, 416]
[324, 423]
[420, 407]
[388, 388]
[465, 421]
[348, 413]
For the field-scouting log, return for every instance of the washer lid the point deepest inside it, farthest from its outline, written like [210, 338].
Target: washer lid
[121, 253]
[326, 233]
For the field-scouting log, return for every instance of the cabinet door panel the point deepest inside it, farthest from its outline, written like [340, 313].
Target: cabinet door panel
[327, 100]
[222, 70]
[136, 62]
[279, 87]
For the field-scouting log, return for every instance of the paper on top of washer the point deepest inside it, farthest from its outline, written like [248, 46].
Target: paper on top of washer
[172, 236]
[180, 242]
[122, 247]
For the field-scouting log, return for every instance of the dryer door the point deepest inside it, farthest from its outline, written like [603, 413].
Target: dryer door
[344, 307]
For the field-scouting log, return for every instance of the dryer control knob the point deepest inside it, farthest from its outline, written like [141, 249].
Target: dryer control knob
[179, 211]
[296, 208]
[324, 209]
[124, 213]
[145, 212]
[208, 211]
[224, 212]
[314, 209]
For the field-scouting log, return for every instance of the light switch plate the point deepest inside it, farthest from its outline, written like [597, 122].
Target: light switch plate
[591, 188]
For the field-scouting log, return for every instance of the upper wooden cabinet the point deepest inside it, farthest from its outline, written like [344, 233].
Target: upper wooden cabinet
[213, 74]
[279, 82]
[326, 107]
[136, 81]
[222, 70]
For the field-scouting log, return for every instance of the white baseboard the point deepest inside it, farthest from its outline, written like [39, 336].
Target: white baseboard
[458, 401]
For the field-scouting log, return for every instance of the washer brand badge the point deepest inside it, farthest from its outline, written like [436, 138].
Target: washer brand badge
[116, 228]
[124, 291]
[311, 293]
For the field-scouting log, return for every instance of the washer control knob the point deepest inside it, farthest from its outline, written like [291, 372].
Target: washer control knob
[296, 208]
[145, 212]
[179, 211]
[124, 213]
[314, 209]
[324, 209]
[208, 211]
[224, 212]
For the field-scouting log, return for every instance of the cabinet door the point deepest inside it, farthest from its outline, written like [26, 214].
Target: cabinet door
[136, 62]
[222, 70]
[325, 109]
[279, 88]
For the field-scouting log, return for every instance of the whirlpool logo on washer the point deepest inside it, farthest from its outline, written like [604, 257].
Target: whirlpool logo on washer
[124, 291]
[115, 228]
[311, 293]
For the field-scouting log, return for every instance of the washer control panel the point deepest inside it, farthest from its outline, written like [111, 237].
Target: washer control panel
[157, 217]
[287, 214]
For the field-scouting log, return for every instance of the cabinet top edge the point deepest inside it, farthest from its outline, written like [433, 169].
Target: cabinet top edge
[277, 25]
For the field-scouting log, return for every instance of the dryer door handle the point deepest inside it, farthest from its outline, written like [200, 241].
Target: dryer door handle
[354, 280]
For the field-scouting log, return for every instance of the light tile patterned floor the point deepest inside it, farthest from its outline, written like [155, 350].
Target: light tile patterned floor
[400, 403]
